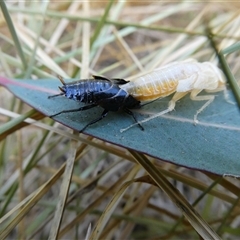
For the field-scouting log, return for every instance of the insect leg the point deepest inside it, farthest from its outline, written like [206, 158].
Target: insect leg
[104, 114]
[134, 117]
[171, 106]
[194, 97]
[75, 110]
[224, 89]
[56, 95]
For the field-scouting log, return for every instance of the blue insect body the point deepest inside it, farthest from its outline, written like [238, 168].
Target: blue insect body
[99, 91]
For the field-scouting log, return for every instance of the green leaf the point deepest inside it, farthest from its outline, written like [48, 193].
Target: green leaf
[212, 145]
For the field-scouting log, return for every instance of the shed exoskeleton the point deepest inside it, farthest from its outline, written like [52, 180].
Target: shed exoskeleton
[180, 77]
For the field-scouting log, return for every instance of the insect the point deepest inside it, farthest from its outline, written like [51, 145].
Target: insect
[98, 91]
[180, 77]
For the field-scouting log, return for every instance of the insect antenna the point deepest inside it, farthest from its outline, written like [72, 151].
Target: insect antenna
[60, 94]
[61, 89]
[61, 79]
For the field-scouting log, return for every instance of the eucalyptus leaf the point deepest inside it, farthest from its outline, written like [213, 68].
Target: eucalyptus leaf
[211, 145]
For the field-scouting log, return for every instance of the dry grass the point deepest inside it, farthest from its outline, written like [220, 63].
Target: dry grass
[74, 39]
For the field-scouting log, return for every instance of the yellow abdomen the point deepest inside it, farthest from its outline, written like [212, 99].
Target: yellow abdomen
[148, 92]
[151, 86]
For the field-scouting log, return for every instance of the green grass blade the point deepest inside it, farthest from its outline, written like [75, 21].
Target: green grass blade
[13, 33]
[101, 23]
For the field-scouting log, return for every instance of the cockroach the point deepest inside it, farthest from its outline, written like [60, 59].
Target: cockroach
[99, 91]
[180, 77]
